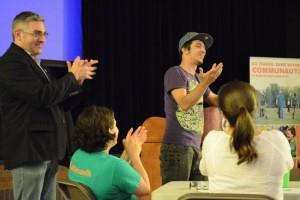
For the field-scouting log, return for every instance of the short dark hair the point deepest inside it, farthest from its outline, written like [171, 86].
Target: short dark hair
[286, 128]
[92, 129]
[186, 45]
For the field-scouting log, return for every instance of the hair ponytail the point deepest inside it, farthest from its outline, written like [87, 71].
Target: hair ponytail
[242, 136]
[238, 102]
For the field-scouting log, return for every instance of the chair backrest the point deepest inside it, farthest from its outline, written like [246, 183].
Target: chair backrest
[71, 190]
[151, 150]
[212, 120]
[222, 196]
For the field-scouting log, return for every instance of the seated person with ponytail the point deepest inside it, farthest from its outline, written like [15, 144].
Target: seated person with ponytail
[240, 159]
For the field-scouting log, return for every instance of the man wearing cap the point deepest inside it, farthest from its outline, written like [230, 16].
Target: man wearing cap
[184, 92]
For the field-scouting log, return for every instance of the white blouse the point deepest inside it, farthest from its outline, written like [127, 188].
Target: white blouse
[263, 176]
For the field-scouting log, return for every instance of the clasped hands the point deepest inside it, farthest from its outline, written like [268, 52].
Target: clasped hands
[133, 141]
[82, 69]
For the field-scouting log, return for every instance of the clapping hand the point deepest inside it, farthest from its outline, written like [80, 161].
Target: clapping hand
[141, 133]
[133, 141]
[82, 69]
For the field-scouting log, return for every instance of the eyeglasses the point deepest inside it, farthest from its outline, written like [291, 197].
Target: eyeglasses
[37, 34]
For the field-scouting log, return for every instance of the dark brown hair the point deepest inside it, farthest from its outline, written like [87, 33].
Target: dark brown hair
[239, 102]
[186, 45]
[92, 129]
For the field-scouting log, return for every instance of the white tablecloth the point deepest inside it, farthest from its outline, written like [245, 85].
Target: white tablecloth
[175, 189]
[292, 193]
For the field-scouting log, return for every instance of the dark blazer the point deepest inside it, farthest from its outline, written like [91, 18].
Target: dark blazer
[33, 106]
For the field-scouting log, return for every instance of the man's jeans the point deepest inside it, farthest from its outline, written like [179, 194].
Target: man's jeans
[35, 181]
[180, 163]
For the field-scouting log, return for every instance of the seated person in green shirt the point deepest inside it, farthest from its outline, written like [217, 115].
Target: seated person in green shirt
[291, 136]
[108, 176]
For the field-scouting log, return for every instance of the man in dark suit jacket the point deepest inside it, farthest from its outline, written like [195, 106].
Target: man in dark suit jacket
[33, 106]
